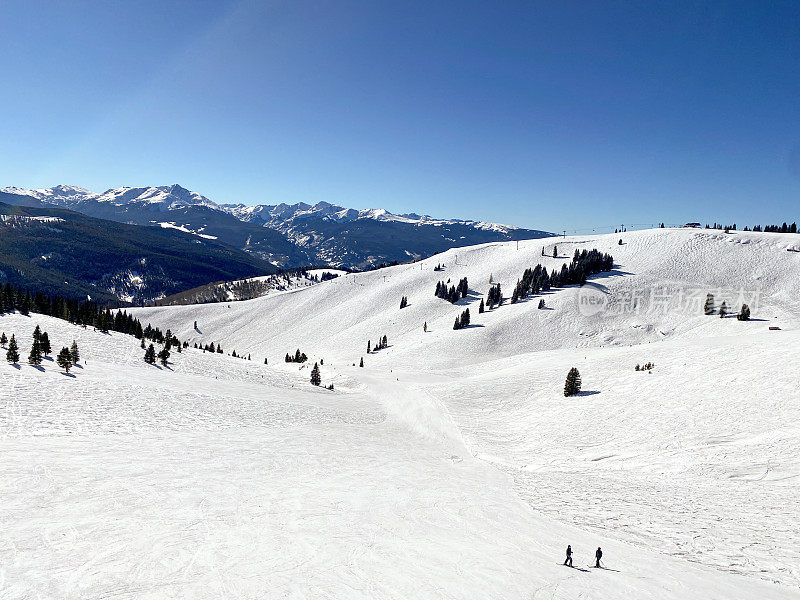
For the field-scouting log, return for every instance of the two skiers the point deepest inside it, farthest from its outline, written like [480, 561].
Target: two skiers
[597, 555]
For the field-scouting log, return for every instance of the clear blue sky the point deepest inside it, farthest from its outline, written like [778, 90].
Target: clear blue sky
[542, 114]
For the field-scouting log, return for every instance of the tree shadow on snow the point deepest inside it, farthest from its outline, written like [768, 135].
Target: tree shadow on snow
[16, 366]
[587, 393]
[68, 375]
[38, 368]
[472, 325]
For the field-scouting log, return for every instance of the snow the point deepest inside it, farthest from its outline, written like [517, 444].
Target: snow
[172, 225]
[451, 466]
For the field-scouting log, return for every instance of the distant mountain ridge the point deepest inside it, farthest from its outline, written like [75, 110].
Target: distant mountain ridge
[286, 235]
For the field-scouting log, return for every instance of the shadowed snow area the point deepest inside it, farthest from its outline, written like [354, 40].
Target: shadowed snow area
[451, 465]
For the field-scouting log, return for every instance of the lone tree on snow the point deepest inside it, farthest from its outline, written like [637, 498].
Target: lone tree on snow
[361, 364]
[150, 355]
[64, 359]
[163, 355]
[35, 357]
[44, 342]
[744, 313]
[315, 376]
[76, 355]
[13, 351]
[708, 307]
[573, 383]
[723, 310]
[3, 338]
[541, 303]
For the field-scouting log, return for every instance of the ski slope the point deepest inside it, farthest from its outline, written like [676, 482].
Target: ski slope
[451, 465]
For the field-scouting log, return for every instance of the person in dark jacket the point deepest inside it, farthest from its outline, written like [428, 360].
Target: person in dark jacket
[598, 555]
[568, 561]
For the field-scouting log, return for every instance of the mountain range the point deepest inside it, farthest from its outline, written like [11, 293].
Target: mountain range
[285, 235]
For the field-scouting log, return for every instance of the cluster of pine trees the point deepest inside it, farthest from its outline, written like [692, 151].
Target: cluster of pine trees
[439, 267]
[299, 357]
[403, 302]
[462, 320]
[776, 228]
[383, 342]
[648, 366]
[708, 309]
[39, 349]
[209, 347]
[584, 263]
[493, 298]
[78, 312]
[454, 293]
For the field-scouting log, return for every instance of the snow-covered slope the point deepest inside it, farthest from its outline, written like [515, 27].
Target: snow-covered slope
[451, 465]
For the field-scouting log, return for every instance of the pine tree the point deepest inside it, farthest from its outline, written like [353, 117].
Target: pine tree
[64, 359]
[744, 314]
[37, 333]
[723, 310]
[708, 307]
[265, 361]
[573, 384]
[35, 357]
[425, 327]
[150, 355]
[13, 351]
[3, 338]
[541, 303]
[163, 356]
[369, 346]
[555, 252]
[481, 307]
[76, 356]
[44, 341]
[142, 344]
[361, 364]
[315, 376]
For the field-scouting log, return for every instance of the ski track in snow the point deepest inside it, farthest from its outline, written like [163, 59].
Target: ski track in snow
[451, 466]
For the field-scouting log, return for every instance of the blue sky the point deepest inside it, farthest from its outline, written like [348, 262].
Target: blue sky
[551, 115]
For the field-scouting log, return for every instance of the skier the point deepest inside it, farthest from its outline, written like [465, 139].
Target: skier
[598, 555]
[568, 561]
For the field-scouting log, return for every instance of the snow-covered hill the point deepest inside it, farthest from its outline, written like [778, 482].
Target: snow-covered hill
[286, 235]
[451, 465]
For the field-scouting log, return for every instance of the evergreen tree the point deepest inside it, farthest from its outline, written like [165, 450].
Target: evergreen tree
[163, 355]
[573, 384]
[265, 361]
[44, 341]
[150, 355]
[555, 252]
[541, 303]
[481, 307]
[142, 344]
[708, 307]
[64, 359]
[723, 310]
[13, 351]
[425, 327]
[369, 346]
[744, 314]
[35, 357]
[37, 333]
[315, 376]
[73, 350]
[361, 364]
[3, 338]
